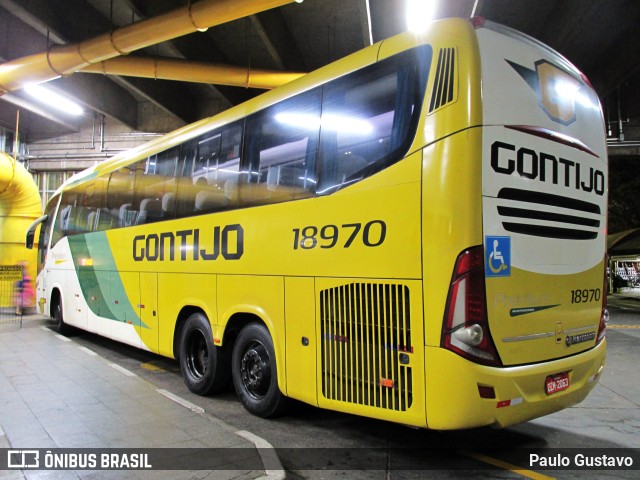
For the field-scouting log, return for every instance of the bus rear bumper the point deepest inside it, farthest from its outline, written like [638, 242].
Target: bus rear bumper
[453, 389]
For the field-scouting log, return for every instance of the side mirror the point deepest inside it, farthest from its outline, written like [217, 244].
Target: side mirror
[29, 240]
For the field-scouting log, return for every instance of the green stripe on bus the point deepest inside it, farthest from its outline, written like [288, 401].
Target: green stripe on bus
[101, 283]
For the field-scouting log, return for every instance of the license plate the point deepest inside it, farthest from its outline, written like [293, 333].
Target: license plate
[556, 383]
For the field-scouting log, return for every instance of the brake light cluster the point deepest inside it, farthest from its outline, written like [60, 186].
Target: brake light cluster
[465, 330]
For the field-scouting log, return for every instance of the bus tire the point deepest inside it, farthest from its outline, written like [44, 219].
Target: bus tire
[254, 372]
[205, 367]
[59, 325]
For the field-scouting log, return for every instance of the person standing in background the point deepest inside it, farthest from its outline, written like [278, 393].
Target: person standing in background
[24, 293]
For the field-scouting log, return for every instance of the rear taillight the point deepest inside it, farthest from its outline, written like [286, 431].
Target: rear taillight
[465, 328]
[604, 316]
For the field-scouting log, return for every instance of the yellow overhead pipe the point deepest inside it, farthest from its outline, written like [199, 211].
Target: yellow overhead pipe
[64, 60]
[188, 71]
[20, 205]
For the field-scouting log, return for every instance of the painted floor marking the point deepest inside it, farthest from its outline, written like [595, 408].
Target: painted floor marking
[88, 351]
[62, 337]
[128, 373]
[623, 326]
[267, 454]
[505, 465]
[151, 367]
[185, 403]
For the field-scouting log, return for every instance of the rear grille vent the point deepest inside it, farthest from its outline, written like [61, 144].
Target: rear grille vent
[444, 85]
[528, 213]
[366, 338]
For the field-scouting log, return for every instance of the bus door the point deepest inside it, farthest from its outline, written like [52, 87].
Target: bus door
[45, 223]
[301, 343]
[124, 300]
[147, 328]
[74, 304]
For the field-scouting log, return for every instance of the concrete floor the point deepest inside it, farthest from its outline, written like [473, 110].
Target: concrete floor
[87, 392]
[57, 394]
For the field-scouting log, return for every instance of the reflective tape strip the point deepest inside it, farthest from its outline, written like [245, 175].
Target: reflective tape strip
[509, 403]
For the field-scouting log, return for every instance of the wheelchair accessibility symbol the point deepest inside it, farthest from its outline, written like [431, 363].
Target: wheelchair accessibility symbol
[497, 256]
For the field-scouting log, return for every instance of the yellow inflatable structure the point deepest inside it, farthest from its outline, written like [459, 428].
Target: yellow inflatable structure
[20, 205]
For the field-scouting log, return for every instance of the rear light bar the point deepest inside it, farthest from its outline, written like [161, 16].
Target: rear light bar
[465, 329]
[557, 137]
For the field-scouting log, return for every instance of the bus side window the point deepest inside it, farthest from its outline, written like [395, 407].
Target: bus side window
[357, 115]
[367, 117]
[119, 194]
[184, 198]
[281, 146]
[167, 169]
[152, 183]
[89, 204]
[83, 209]
[101, 216]
[72, 217]
[214, 179]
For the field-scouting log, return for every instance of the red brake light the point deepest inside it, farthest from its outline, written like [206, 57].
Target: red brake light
[465, 329]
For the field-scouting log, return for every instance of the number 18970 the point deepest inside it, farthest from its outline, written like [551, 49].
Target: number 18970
[585, 295]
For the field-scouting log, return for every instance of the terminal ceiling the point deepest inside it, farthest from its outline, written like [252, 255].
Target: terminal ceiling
[600, 36]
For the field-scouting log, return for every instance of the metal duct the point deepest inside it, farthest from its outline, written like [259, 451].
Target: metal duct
[20, 205]
[188, 71]
[67, 59]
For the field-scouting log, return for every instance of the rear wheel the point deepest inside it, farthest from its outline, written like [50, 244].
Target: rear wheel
[254, 372]
[204, 366]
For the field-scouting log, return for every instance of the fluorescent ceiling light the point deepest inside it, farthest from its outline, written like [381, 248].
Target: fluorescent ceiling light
[419, 14]
[54, 100]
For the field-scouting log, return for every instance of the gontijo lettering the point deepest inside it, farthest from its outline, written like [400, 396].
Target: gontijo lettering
[545, 167]
[227, 241]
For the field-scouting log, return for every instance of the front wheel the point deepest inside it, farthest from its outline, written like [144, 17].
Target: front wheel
[254, 373]
[59, 325]
[204, 366]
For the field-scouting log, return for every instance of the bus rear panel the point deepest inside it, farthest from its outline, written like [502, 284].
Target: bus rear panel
[524, 319]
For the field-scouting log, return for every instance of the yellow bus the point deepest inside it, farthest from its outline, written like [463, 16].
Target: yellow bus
[414, 233]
